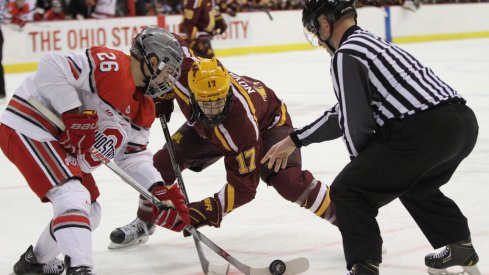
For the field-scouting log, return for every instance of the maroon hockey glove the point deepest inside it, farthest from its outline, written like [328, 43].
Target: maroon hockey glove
[79, 134]
[205, 212]
[202, 46]
[164, 105]
[230, 7]
[176, 218]
[220, 25]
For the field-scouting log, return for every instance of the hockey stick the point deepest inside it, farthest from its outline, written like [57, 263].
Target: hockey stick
[277, 267]
[263, 9]
[267, 11]
[176, 169]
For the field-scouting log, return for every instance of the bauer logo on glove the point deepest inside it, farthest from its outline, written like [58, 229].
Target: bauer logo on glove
[79, 134]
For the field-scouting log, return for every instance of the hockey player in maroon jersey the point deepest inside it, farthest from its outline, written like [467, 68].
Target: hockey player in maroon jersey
[237, 118]
[104, 98]
[201, 21]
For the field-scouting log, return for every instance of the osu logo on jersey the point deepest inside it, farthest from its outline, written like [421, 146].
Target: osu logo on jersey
[105, 145]
[107, 142]
[70, 160]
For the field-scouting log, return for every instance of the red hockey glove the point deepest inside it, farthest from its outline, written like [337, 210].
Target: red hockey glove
[164, 105]
[176, 218]
[79, 134]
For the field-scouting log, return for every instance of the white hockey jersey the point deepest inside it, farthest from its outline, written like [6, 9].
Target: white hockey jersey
[98, 79]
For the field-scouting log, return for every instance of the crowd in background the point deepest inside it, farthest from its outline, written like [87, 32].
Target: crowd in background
[21, 11]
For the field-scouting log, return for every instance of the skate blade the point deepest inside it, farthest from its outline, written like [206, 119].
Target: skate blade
[467, 270]
[137, 241]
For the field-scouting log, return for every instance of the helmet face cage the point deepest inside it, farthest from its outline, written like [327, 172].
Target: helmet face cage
[161, 44]
[198, 113]
[161, 79]
[311, 32]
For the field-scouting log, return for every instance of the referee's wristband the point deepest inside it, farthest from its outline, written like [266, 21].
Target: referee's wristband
[295, 139]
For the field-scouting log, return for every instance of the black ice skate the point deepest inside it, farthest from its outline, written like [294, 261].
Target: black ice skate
[77, 270]
[364, 268]
[28, 264]
[136, 232]
[458, 254]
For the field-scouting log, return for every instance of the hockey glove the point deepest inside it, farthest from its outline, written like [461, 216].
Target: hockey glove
[205, 212]
[220, 25]
[79, 135]
[164, 105]
[176, 218]
[202, 46]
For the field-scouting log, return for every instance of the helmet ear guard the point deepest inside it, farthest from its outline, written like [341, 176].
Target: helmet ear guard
[210, 86]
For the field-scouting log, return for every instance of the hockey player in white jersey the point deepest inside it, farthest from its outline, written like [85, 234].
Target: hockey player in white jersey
[104, 98]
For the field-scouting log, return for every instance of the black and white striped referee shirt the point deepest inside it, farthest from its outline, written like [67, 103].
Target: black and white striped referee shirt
[374, 81]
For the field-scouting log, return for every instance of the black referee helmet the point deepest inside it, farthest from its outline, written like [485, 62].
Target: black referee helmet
[332, 9]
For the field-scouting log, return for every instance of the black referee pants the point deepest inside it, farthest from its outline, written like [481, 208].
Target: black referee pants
[409, 159]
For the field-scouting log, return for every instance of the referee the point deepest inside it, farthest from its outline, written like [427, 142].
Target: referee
[406, 131]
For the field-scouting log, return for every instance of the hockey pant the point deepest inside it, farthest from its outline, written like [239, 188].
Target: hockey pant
[54, 175]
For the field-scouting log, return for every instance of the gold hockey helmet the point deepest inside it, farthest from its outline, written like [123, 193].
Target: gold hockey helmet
[211, 96]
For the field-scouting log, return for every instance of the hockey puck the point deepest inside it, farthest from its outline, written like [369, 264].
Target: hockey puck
[277, 267]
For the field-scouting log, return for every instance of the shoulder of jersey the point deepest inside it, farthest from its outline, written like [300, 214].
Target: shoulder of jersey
[109, 68]
[111, 80]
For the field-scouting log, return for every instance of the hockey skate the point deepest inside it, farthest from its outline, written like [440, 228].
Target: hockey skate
[461, 254]
[28, 264]
[77, 270]
[364, 268]
[136, 232]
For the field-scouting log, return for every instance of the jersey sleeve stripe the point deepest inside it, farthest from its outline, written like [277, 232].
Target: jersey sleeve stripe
[181, 95]
[23, 109]
[283, 117]
[229, 198]
[228, 138]
[91, 79]
[246, 96]
[245, 100]
[222, 139]
[75, 70]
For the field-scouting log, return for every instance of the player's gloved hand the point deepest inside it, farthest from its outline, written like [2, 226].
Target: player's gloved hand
[230, 7]
[176, 218]
[202, 46]
[164, 105]
[220, 25]
[79, 135]
[205, 212]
